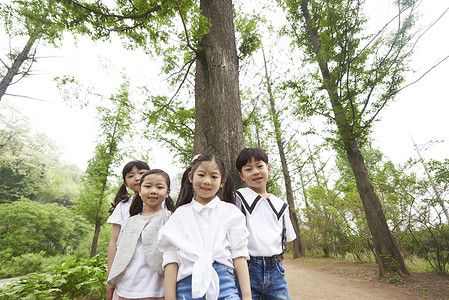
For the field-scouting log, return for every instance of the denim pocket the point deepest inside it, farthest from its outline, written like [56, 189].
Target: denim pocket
[229, 272]
[280, 268]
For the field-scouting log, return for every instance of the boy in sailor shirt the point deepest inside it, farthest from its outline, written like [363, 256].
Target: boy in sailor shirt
[269, 225]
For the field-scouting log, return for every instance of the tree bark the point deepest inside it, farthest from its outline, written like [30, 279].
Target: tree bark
[93, 248]
[388, 256]
[218, 124]
[17, 63]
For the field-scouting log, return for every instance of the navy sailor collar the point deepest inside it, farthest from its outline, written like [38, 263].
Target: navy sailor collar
[250, 199]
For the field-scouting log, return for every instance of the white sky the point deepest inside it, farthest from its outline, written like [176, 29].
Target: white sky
[421, 111]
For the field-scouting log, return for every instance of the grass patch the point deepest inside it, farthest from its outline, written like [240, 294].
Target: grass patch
[418, 265]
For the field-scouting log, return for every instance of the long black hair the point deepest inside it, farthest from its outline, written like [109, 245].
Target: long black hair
[137, 204]
[122, 194]
[186, 192]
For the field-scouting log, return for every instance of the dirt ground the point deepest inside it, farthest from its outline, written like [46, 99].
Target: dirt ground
[310, 278]
[318, 278]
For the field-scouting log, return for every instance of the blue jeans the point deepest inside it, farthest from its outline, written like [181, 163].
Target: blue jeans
[228, 290]
[267, 277]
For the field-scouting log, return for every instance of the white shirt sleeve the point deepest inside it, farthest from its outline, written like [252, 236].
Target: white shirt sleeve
[238, 235]
[165, 245]
[289, 232]
[120, 214]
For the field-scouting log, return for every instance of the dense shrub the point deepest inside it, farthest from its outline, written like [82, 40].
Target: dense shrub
[30, 227]
[430, 243]
[77, 278]
[13, 266]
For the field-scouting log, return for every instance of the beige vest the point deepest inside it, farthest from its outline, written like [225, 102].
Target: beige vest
[138, 225]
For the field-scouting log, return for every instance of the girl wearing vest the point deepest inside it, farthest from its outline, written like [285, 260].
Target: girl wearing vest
[136, 272]
[205, 239]
[268, 222]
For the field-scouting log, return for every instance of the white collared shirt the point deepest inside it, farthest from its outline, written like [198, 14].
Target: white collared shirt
[265, 220]
[195, 236]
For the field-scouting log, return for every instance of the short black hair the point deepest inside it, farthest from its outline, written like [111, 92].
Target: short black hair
[247, 154]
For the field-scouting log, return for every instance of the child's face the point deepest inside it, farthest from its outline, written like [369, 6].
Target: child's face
[132, 179]
[206, 181]
[255, 174]
[154, 191]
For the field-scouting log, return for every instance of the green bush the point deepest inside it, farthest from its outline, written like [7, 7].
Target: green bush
[77, 278]
[31, 227]
[431, 243]
[13, 266]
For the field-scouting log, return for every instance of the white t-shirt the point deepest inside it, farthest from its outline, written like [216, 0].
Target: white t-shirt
[120, 215]
[265, 219]
[195, 236]
[139, 280]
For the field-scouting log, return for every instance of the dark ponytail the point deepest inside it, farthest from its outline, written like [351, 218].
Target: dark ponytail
[170, 204]
[186, 192]
[122, 194]
[229, 190]
[136, 206]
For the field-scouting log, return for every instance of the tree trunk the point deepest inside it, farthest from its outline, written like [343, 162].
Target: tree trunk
[389, 258]
[298, 250]
[218, 124]
[18, 61]
[93, 248]
[297, 243]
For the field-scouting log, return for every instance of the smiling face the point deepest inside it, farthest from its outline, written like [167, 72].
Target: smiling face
[206, 181]
[255, 174]
[153, 191]
[132, 179]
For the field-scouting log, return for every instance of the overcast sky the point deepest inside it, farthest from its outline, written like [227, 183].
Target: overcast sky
[420, 112]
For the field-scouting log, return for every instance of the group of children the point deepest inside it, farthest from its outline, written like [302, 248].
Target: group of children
[204, 247]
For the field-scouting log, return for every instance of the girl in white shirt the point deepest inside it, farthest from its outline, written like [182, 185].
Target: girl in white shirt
[206, 238]
[137, 272]
[131, 173]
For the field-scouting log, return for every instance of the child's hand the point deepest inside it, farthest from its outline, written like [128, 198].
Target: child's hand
[110, 291]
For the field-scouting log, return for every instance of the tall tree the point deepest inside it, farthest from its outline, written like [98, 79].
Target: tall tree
[218, 126]
[431, 180]
[205, 31]
[354, 77]
[26, 157]
[17, 61]
[94, 199]
[297, 243]
[18, 23]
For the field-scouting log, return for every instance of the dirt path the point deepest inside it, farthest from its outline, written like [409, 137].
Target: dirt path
[311, 281]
